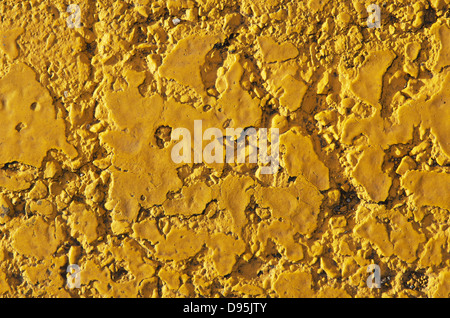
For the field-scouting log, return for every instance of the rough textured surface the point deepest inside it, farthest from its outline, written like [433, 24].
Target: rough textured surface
[86, 175]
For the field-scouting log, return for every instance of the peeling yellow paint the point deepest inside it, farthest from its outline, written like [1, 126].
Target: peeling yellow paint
[88, 181]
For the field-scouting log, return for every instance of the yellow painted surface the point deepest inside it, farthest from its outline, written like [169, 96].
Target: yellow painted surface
[86, 175]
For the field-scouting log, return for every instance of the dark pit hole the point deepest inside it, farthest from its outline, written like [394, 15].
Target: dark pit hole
[430, 17]
[20, 126]
[163, 136]
[117, 275]
[415, 280]
[292, 179]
